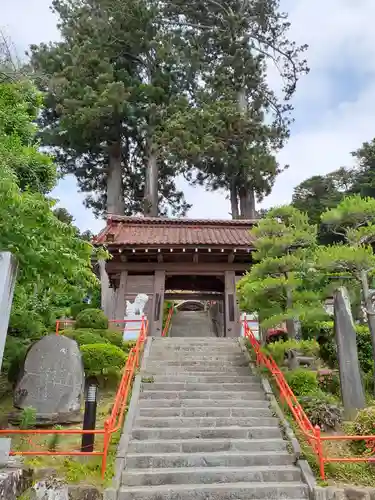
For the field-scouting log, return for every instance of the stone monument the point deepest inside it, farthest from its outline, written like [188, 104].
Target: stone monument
[134, 312]
[52, 381]
[352, 394]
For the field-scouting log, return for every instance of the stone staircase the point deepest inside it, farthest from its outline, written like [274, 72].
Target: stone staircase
[191, 324]
[203, 429]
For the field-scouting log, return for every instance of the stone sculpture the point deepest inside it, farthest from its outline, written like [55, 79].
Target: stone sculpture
[352, 394]
[52, 380]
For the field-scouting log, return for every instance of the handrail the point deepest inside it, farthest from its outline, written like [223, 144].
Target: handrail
[114, 421]
[168, 322]
[311, 434]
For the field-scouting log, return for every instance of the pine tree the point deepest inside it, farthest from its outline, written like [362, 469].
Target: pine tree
[281, 287]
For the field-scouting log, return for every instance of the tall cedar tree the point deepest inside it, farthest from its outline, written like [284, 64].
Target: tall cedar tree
[107, 85]
[238, 123]
[280, 286]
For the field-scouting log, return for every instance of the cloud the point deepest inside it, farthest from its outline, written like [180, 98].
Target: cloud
[333, 105]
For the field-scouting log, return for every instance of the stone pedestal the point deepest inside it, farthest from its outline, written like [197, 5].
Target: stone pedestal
[352, 393]
[133, 327]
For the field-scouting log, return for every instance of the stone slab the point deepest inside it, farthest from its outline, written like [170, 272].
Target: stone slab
[4, 451]
[52, 379]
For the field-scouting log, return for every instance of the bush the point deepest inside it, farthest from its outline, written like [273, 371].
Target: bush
[328, 350]
[302, 382]
[85, 336]
[92, 318]
[75, 309]
[278, 349]
[26, 325]
[14, 355]
[113, 336]
[103, 360]
[322, 410]
[363, 424]
[329, 381]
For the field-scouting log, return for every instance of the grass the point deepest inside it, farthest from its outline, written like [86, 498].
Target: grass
[73, 469]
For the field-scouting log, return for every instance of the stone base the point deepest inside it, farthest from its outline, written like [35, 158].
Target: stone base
[48, 419]
[14, 480]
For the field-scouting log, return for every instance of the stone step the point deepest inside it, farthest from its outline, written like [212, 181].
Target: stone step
[228, 491]
[247, 395]
[231, 432]
[200, 369]
[214, 422]
[204, 412]
[255, 445]
[196, 386]
[191, 363]
[209, 475]
[196, 340]
[207, 379]
[213, 403]
[197, 357]
[215, 459]
[190, 350]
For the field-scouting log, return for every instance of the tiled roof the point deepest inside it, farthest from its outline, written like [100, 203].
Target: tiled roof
[144, 231]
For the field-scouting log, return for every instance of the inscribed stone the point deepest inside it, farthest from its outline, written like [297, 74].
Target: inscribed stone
[52, 380]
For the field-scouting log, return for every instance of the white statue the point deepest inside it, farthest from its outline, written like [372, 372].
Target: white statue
[134, 311]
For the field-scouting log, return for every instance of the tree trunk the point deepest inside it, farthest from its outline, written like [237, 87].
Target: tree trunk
[234, 201]
[370, 312]
[115, 189]
[247, 203]
[290, 323]
[151, 198]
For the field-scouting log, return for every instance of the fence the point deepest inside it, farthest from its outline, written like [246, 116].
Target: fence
[168, 322]
[119, 324]
[312, 434]
[111, 425]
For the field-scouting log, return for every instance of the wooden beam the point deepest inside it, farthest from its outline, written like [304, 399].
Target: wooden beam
[202, 268]
[160, 258]
[195, 258]
[231, 257]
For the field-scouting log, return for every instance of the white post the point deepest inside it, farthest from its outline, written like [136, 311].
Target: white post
[8, 273]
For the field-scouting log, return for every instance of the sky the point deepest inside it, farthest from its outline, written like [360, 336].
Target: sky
[334, 106]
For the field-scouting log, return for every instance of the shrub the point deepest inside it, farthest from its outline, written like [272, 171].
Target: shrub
[363, 424]
[92, 318]
[14, 355]
[113, 336]
[85, 336]
[302, 382]
[329, 381]
[328, 350]
[103, 360]
[322, 410]
[278, 349]
[75, 309]
[27, 325]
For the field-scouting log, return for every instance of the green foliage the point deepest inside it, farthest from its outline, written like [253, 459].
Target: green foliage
[55, 439]
[26, 324]
[103, 360]
[75, 309]
[363, 424]
[14, 354]
[301, 381]
[92, 318]
[329, 382]
[281, 286]
[115, 338]
[85, 336]
[322, 410]
[28, 418]
[278, 349]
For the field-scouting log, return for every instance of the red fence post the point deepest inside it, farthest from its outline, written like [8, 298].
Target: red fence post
[319, 451]
[107, 438]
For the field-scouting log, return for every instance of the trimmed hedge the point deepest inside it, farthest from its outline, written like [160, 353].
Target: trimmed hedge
[278, 349]
[85, 336]
[92, 318]
[103, 360]
[301, 381]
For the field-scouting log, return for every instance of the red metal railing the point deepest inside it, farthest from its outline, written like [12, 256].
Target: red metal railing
[168, 322]
[111, 425]
[119, 324]
[312, 434]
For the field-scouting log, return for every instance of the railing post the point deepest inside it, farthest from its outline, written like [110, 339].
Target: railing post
[319, 451]
[107, 438]
[57, 326]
